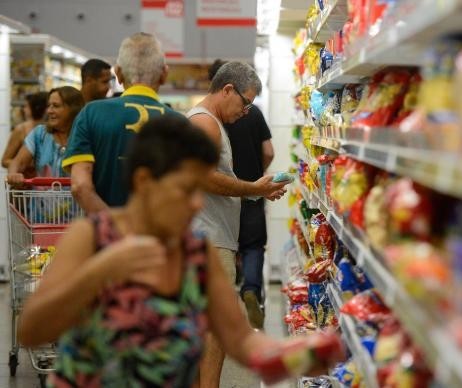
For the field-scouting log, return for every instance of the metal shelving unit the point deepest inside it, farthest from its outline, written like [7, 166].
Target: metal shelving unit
[401, 41]
[440, 171]
[362, 358]
[332, 18]
[423, 325]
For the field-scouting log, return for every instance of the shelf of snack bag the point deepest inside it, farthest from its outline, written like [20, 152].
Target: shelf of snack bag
[420, 322]
[333, 273]
[362, 357]
[423, 324]
[311, 282]
[435, 169]
[378, 34]
[405, 236]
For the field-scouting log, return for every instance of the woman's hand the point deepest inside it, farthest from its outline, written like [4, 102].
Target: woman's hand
[15, 178]
[128, 258]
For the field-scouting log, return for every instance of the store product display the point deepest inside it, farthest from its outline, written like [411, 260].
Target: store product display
[378, 158]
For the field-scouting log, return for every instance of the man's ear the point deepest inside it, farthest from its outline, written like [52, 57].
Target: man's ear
[227, 89]
[163, 75]
[119, 74]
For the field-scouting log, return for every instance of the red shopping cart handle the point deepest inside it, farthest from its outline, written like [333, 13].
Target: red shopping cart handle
[48, 181]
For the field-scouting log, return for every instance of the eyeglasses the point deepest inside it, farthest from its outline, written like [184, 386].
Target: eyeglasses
[245, 101]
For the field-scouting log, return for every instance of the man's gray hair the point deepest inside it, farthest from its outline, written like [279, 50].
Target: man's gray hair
[141, 59]
[239, 74]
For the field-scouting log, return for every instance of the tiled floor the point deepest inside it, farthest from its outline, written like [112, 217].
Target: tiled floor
[233, 375]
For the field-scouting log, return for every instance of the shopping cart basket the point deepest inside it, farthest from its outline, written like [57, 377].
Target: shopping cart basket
[36, 218]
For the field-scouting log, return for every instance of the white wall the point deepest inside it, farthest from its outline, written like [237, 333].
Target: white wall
[4, 133]
[104, 26]
[281, 107]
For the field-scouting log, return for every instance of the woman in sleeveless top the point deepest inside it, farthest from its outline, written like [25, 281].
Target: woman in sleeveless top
[131, 291]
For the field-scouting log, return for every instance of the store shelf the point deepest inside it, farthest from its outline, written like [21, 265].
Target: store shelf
[27, 81]
[331, 19]
[18, 103]
[362, 358]
[402, 40]
[423, 325]
[440, 171]
[63, 77]
[326, 142]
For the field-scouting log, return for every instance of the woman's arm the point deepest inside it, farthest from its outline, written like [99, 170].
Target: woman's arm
[13, 146]
[77, 275]
[226, 318]
[18, 165]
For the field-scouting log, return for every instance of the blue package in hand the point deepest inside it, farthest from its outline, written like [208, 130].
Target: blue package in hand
[283, 177]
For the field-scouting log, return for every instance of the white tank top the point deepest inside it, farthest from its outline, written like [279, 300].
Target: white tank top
[221, 215]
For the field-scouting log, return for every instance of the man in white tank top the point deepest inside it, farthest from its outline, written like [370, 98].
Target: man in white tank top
[230, 96]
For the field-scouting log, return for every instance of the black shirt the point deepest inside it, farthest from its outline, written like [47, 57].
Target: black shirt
[246, 136]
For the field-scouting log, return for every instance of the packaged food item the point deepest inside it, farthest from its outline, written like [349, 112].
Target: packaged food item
[437, 101]
[362, 306]
[376, 215]
[348, 375]
[283, 177]
[351, 96]
[384, 101]
[319, 271]
[350, 186]
[324, 243]
[410, 101]
[410, 210]
[306, 355]
[422, 270]
[326, 60]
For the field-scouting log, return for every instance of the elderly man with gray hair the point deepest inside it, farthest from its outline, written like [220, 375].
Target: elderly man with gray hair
[230, 97]
[100, 133]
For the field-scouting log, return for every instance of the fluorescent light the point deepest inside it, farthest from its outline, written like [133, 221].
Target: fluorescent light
[80, 59]
[68, 54]
[55, 49]
[4, 29]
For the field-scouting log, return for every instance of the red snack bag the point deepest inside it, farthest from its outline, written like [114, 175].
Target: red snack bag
[357, 212]
[410, 210]
[383, 101]
[307, 355]
[319, 271]
[364, 305]
[324, 243]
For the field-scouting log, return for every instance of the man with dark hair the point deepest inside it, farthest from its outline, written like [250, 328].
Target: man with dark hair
[253, 152]
[96, 77]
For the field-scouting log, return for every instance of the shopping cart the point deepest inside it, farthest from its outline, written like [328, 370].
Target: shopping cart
[36, 218]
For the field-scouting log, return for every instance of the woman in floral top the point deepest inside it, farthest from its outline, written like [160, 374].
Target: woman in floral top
[131, 291]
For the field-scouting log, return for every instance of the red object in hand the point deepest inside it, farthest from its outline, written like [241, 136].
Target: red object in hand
[308, 355]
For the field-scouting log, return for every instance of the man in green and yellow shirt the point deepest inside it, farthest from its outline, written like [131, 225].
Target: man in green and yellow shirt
[104, 128]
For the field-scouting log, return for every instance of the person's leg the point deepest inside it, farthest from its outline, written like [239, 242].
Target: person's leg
[213, 357]
[252, 239]
[252, 270]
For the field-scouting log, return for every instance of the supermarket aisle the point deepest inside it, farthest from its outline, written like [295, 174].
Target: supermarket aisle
[233, 375]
